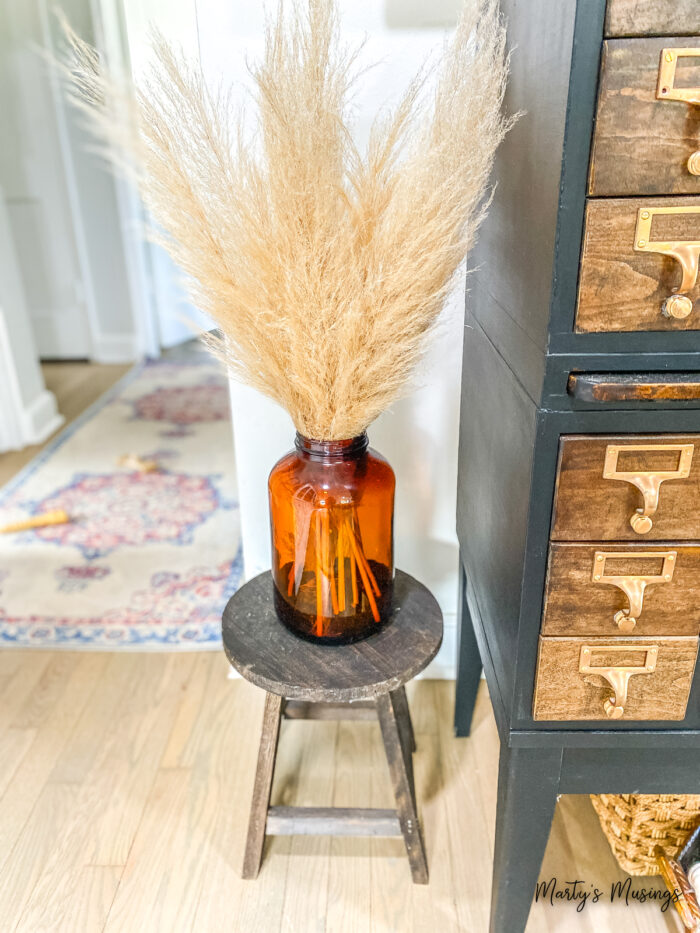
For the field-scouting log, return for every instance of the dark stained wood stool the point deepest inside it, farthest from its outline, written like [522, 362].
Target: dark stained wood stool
[364, 680]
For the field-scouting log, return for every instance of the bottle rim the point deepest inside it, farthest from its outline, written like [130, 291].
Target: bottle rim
[344, 449]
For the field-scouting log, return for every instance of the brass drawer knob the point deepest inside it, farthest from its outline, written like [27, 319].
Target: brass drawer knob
[632, 585]
[685, 252]
[647, 482]
[666, 89]
[677, 306]
[617, 676]
[641, 523]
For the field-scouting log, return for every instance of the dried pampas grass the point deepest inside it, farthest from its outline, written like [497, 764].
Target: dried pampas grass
[324, 267]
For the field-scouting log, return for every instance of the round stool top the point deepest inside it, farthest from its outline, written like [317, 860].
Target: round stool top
[267, 654]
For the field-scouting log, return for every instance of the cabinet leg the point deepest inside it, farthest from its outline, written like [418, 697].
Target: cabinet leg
[468, 661]
[401, 771]
[263, 786]
[528, 783]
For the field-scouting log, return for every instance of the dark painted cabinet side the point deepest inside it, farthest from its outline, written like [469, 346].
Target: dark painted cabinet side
[505, 339]
[508, 291]
[496, 447]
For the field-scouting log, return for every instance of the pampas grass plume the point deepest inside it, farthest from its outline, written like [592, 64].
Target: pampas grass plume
[324, 268]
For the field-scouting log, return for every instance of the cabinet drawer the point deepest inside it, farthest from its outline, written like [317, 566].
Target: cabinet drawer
[652, 17]
[600, 481]
[618, 679]
[629, 589]
[642, 144]
[631, 272]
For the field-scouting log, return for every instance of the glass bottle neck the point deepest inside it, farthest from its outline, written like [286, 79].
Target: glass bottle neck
[348, 449]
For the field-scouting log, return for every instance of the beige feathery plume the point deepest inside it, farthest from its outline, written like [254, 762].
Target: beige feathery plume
[323, 267]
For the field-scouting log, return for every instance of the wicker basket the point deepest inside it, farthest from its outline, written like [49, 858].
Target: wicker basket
[636, 823]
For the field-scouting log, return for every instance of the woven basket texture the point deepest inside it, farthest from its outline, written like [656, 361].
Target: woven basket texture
[635, 824]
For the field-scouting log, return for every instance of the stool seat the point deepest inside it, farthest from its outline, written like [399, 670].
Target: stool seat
[303, 680]
[267, 654]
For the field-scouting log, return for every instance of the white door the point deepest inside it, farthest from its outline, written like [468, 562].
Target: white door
[33, 175]
[124, 38]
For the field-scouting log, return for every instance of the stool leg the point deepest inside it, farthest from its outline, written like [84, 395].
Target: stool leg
[263, 785]
[408, 742]
[401, 770]
[403, 714]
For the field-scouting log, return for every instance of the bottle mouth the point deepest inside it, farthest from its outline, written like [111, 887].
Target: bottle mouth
[345, 449]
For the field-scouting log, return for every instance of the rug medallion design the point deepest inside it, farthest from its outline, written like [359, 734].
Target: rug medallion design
[148, 560]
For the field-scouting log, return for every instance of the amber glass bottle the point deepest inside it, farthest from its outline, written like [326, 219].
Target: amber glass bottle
[331, 516]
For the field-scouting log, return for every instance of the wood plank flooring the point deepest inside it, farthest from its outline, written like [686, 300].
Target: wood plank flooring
[125, 782]
[76, 386]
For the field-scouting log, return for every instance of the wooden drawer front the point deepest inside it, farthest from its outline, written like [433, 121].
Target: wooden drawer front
[623, 288]
[590, 507]
[652, 17]
[641, 145]
[652, 676]
[609, 590]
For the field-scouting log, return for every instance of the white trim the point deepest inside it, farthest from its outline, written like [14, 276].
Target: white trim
[28, 412]
[11, 433]
[65, 154]
[125, 216]
[136, 248]
[445, 664]
[41, 418]
[22, 424]
[117, 348]
[111, 40]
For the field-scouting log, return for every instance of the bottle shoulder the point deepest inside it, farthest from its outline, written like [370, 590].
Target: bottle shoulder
[296, 469]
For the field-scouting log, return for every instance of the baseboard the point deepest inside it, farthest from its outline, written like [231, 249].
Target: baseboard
[41, 418]
[116, 348]
[445, 664]
[23, 424]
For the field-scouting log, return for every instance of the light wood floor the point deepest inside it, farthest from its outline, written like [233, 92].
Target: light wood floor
[125, 781]
[124, 788]
[76, 386]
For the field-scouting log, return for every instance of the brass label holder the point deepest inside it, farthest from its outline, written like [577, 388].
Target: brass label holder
[617, 676]
[666, 90]
[685, 252]
[666, 87]
[647, 482]
[632, 585]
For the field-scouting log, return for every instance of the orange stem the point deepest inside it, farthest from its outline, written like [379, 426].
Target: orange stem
[368, 569]
[341, 569]
[329, 559]
[319, 592]
[365, 579]
[353, 570]
[365, 562]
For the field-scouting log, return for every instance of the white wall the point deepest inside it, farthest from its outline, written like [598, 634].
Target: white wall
[419, 435]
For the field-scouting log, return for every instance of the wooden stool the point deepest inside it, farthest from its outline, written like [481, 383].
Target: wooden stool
[358, 681]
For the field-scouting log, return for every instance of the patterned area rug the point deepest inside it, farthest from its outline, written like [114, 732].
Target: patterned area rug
[148, 559]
